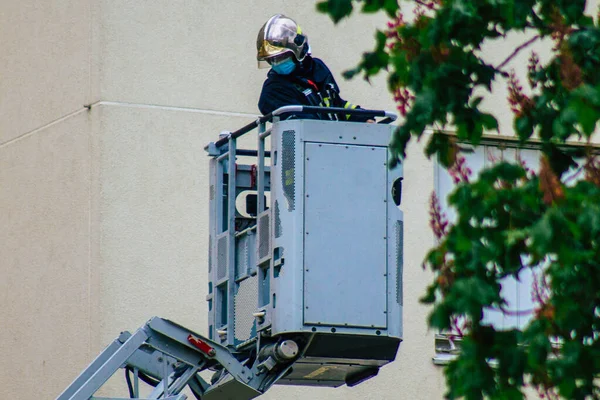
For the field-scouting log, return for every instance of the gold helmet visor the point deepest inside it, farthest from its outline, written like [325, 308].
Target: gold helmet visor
[267, 51]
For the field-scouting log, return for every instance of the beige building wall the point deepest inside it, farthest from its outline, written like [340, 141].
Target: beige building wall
[46, 78]
[105, 107]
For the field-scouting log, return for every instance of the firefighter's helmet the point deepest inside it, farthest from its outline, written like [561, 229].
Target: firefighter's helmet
[278, 36]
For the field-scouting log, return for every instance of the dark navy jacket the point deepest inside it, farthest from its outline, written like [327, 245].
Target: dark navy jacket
[310, 84]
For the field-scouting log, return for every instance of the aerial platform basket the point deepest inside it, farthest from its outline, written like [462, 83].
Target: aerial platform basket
[305, 268]
[314, 253]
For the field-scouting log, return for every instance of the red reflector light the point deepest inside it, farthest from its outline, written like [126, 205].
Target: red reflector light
[202, 346]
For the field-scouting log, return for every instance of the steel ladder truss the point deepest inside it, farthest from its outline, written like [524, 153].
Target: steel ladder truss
[169, 357]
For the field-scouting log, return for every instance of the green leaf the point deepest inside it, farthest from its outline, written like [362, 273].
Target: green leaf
[514, 236]
[381, 39]
[351, 73]
[371, 6]
[429, 297]
[337, 9]
[441, 145]
[470, 295]
[507, 10]
[541, 233]
[588, 93]
[422, 109]
[391, 7]
[524, 127]
[573, 9]
[559, 128]
[561, 159]
[588, 118]
[440, 318]
[490, 122]
[585, 107]
[586, 20]
[476, 101]
[398, 144]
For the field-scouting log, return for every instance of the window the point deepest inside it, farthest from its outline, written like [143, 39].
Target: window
[517, 292]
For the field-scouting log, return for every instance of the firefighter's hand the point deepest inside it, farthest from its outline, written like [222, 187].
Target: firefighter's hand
[371, 121]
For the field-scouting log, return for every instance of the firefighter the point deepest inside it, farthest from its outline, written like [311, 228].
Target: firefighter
[295, 78]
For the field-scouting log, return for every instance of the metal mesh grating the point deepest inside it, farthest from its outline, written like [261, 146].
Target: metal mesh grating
[241, 257]
[212, 192]
[288, 161]
[399, 259]
[263, 236]
[222, 257]
[245, 303]
[210, 260]
[277, 220]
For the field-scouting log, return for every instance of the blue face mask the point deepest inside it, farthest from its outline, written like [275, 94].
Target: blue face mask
[285, 67]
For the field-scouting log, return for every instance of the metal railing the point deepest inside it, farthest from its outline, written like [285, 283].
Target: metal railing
[293, 110]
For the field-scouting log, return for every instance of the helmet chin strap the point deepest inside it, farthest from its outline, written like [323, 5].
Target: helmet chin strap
[305, 51]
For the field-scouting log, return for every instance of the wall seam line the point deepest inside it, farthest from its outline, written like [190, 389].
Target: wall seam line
[124, 104]
[49, 124]
[175, 108]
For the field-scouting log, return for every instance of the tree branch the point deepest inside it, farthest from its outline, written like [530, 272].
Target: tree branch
[516, 51]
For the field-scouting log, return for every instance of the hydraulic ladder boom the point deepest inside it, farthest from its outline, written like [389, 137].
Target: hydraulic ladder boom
[170, 356]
